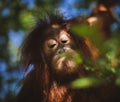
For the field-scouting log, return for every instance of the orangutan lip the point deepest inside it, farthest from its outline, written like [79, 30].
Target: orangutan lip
[62, 59]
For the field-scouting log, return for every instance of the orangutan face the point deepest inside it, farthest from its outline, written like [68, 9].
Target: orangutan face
[59, 51]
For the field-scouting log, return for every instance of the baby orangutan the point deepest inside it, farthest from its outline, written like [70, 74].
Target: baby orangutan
[52, 48]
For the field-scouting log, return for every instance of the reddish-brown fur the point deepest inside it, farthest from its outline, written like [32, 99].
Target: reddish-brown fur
[40, 84]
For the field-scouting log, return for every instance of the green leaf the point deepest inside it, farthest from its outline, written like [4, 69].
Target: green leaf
[27, 20]
[118, 81]
[85, 82]
[76, 56]
[92, 33]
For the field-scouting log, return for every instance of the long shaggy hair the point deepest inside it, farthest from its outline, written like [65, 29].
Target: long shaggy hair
[41, 85]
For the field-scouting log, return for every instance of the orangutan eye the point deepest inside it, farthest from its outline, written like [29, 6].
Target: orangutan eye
[51, 43]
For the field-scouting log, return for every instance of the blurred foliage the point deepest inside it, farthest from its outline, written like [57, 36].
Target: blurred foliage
[17, 17]
[77, 56]
[85, 82]
[107, 66]
[92, 33]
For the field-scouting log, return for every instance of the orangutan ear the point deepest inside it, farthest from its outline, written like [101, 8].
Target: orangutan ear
[66, 26]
